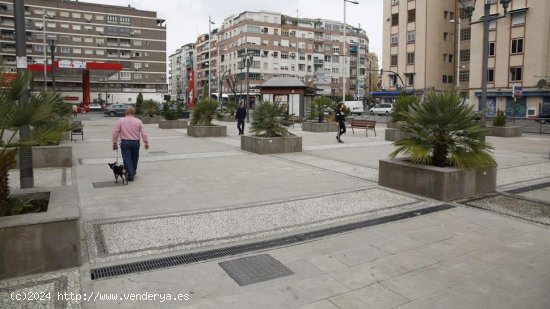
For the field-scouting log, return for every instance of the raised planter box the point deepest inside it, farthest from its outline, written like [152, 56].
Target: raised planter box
[444, 184]
[173, 124]
[508, 131]
[228, 118]
[270, 145]
[149, 120]
[312, 126]
[51, 156]
[392, 135]
[41, 242]
[206, 131]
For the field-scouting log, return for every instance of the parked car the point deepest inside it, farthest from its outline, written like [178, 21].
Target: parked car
[115, 110]
[355, 107]
[382, 109]
[95, 107]
[543, 118]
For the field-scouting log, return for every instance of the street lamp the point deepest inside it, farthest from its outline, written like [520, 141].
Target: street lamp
[469, 7]
[459, 23]
[52, 50]
[220, 86]
[247, 60]
[344, 60]
[210, 22]
[45, 47]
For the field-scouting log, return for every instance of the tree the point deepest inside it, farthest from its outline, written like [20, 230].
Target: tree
[205, 111]
[139, 104]
[270, 119]
[441, 130]
[45, 113]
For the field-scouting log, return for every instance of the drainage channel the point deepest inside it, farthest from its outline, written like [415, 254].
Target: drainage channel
[177, 260]
[529, 188]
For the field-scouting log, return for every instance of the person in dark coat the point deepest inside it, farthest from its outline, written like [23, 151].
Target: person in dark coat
[341, 118]
[240, 115]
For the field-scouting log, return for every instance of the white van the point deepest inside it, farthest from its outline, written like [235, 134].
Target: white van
[356, 107]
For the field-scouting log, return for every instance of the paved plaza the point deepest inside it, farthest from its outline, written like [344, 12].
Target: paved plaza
[342, 241]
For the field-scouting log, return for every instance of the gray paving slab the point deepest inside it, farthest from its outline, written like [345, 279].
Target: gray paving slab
[375, 296]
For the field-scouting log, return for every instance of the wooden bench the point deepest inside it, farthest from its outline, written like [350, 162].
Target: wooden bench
[363, 124]
[77, 130]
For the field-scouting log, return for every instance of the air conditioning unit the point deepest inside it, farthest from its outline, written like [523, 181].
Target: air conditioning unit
[132, 56]
[132, 33]
[88, 19]
[51, 15]
[162, 77]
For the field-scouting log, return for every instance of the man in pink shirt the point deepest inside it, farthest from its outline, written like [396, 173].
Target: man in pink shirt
[129, 129]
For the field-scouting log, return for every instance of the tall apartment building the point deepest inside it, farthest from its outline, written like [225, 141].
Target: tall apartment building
[281, 45]
[421, 45]
[87, 33]
[180, 65]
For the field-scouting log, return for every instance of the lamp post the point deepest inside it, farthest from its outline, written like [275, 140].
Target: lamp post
[52, 50]
[458, 23]
[220, 85]
[247, 59]
[210, 23]
[469, 7]
[45, 47]
[344, 60]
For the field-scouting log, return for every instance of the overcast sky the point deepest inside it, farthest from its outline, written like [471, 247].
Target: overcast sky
[186, 19]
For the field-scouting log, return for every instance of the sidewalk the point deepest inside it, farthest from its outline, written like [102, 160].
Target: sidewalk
[192, 195]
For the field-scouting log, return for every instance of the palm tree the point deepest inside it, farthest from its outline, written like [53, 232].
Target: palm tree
[442, 131]
[206, 110]
[45, 113]
[270, 119]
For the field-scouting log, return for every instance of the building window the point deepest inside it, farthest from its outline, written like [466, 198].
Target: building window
[38, 48]
[518, 19]
[99, 17]
[335, 70]
[88, 28]
[395, 19]
[77, 39]
[88, 17]
[124, 20]
[51, 25]
[410, 58]
[77, 51]
[394, 40]
[77, 27]
[64, 26]
[411, 16]
[515, 74]
[100, 52]
[138, 76]
[125, 75]
[410, 79]
[447, 79]
[445, 36]
[88, 40]
[77, 15]
[393, 60]
[88, 51]
[448, 58]
[492, 24]
[464, 76]
[517, 46]
[451, 15]
[465, 34]
[490, 75]
[445, 14]
[112, 19]
[411, 36]
[492, 49]
[64, 14]
[394, 2]
[465, 55]
[65, 50]
[462, 14]
[137, 42]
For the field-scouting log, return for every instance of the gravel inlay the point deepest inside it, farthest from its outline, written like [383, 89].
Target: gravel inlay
[113, 240]
[255, 269]
[514, 206]
[107, 184]
[40, 288]
[44, 177]
[368, 143]
[157, 158]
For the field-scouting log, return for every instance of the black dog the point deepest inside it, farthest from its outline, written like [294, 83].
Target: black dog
[119, 171]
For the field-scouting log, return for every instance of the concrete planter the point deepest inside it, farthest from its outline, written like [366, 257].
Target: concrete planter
[149, 120]
[52, 156]
[41, 242]
[206, 131]
[444, 184]
[270, 145]
[228, 118]
[319, 126]
[393, 134]
[508, 131]
[173, 124]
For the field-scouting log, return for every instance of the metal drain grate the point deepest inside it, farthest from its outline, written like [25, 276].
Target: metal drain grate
[107, 184]
[130, 268]
[154, 153]
[255, 269]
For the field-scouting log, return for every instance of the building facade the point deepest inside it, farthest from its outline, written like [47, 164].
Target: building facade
[432, 45]
[86, 33]
[280, 45]
[181, 63]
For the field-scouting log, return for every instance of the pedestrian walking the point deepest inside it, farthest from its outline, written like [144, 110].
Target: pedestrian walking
[130, 129]
[341, 119]
[75, 110]
[240, 115]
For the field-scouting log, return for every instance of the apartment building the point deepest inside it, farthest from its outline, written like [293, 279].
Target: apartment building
[429, 44]
[181, 63]
[280, 45]
[87, 33]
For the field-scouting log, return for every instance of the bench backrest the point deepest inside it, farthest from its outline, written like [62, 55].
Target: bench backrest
[363, 122]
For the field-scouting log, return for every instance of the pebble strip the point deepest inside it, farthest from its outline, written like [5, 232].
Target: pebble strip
[130, 238]
[518, 207]
[48, 284]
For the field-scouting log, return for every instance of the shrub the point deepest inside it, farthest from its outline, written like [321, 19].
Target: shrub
[150, 107]
[270, 119]
[500, 119]
[139, 104]
[170, 112]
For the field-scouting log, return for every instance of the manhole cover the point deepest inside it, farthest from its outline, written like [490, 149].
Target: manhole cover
[157, 152]
[106, 184]
[514, 206]
[254, 269]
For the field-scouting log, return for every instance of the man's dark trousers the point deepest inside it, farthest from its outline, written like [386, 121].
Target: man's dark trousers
[240, 125]
[130, 156]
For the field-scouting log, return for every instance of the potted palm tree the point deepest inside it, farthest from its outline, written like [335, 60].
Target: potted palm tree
[499, 127]
[270, 131]
[317, 116]
[446, 158]
[37, 241]
[150, 112]
[170, 113]
[204, 113]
